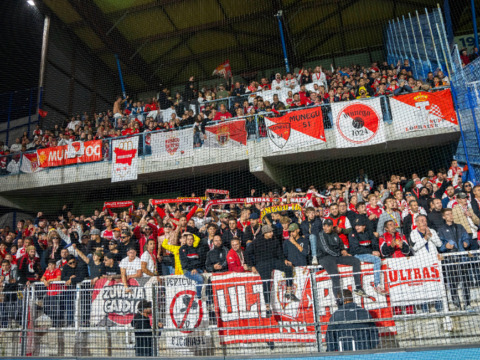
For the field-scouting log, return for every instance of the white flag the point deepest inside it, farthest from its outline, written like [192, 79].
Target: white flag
[125, 159]
[171, 144]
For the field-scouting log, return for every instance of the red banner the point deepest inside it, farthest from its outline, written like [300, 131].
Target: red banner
[240, 306]
[172, 201]
[119, 204]
[216, 191]
[76, 153]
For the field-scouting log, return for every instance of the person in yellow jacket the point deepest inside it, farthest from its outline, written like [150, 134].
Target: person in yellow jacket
[174, 249]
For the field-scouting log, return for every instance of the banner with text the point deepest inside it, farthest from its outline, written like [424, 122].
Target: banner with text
[186, 316]
[358, 123]
[125, 159]
[414, 280]
[74, 153]
[296, 129]
[423, 110]
[240, 307]
[377, 305]
[113, 306]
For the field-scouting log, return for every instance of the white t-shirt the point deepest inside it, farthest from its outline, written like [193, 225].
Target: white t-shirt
[147, 258]
[131, 267]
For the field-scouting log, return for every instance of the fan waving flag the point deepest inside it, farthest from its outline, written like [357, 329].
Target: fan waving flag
[42, 113]
[223, 70]
[226, 135]
[296, 129]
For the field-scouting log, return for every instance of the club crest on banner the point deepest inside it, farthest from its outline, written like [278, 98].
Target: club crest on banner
[279, 134]
[358, 123]
[223, 135]
[171, 144]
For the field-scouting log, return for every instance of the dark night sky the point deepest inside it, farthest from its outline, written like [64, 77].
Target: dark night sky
[21, 28]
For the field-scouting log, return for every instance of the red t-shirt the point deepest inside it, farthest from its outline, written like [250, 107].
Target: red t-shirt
[53, 289]
[222, 116]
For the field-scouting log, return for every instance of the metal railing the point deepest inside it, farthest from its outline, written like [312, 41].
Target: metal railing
[430, 302]
[257, 134]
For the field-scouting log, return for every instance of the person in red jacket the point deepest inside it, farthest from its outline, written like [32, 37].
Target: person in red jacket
[392, 243]
[235, 258]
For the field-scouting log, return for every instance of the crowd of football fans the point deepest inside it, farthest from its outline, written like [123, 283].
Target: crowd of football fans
[341, 223]
[196, 107]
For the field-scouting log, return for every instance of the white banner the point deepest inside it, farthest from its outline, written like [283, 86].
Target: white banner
[125, 159]
[414, 280]
[226, 135]
[171, 144]
[358, 123]
[186, 316]
[423, 110]
[30, 163]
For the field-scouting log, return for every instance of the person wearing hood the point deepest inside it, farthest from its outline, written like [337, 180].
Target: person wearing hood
[424, 197]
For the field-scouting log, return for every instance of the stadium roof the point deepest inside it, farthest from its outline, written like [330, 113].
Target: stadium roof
[166, 41]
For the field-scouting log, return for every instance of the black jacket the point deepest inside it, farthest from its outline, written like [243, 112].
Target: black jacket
[364, 335]
[264, 251]
[228, 236]
[329, 245]
[435, 219]
[292, 254]
[217, 256]
[475, 207]
[249, 233]
[190, 258]
[78, 271]
[27, 271]
[362, 243]
[311, 227]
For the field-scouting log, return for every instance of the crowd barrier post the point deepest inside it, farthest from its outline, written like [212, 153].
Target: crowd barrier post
[316, 312]
[25, 304]
[256, 128]
[155, 320]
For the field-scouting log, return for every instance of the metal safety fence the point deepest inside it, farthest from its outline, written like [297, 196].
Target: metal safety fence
[429, 301]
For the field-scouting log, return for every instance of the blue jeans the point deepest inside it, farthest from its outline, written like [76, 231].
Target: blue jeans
[197, 278]
[377, 264]
[313, 244]
[167, 270]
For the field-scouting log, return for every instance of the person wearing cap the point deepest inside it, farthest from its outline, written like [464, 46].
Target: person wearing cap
[96, 243]
[200, 219]
[127, 242]
[143, 329]
[110, 269]
[364, 246]
[464, 215]
[253, 230]
[113, 249]
[130, 268]
[296, 249]
[264, 255]
[332, 252]
[72, 274]
[94, 264]
[341, 224]
[310, 227]
[117, 232]
[351, 327]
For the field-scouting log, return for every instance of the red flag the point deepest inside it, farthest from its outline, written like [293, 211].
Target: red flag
[42, 113]
[223, 70]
